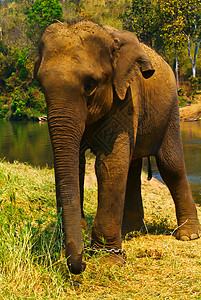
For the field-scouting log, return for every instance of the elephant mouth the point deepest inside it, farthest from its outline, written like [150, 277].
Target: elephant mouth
[89, 103]
[94, 111]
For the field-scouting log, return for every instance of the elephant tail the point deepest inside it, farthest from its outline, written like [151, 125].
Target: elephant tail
[149, 177]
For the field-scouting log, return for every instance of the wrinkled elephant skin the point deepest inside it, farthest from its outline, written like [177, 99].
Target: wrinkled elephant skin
[107, 92]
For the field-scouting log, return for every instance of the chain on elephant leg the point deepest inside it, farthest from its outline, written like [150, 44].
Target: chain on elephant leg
[108, 249]
[110, 257]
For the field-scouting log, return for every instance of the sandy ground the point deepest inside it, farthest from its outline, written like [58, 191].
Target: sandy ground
[193, 111]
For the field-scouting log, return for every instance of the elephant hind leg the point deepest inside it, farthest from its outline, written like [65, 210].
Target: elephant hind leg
[170, 161]
[133, 218]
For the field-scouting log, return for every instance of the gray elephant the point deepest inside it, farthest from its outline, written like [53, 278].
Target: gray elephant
[107, 92]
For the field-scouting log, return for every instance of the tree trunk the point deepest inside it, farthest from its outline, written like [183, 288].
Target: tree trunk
[194, 69]
[176, 67]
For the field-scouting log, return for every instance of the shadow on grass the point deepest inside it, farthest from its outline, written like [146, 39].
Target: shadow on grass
[159, 227]
[48, 244]
[50, 241]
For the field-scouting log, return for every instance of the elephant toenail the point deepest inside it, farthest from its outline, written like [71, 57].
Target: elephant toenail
[184, 238]
[194, 236]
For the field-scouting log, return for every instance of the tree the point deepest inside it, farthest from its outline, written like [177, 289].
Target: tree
[41, 14]
[192, 14]
[139, 17]
[3, 7]
[172, 26]
[12, 23]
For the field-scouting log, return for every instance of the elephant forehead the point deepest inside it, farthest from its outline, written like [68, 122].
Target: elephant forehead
[76, 40]
[69, 49]
[75, 59]
[69, 30]
[64, 51]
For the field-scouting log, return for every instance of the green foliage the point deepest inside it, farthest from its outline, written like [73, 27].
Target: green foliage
[7, 63]
[21, 66]
[14, 66]
[3, 109]
[17, 106]
[41, 14]
[23, 63]
[21, 97]
[26, 104]
[166, 26]
[3, 48]
[192, 13]
[140, 17]
[183, 100]
[193, 84]
[102, 12]
[172, 20]
[23, 104]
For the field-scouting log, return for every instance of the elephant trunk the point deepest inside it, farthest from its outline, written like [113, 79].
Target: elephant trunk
[66, 130]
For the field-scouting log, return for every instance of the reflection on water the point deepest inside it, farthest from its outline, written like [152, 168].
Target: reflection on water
[191, 137]
[29, 142]
[25, 142]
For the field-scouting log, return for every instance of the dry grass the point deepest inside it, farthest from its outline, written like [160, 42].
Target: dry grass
[32, 265]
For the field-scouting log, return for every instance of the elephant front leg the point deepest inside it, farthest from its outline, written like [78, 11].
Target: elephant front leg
[111, 172]
[133, 208]
[82, 163]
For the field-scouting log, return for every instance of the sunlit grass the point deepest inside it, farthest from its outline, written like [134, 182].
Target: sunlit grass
[32, 263]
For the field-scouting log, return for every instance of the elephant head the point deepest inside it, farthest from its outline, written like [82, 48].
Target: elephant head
[79, 66]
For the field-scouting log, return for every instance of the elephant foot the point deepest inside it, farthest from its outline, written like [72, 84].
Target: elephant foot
[190, 230]
[112, 259]
[110, 249]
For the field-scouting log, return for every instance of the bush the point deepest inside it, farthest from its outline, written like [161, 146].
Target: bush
[18, 107]
[41, 14]
[23, 105]
[193, 84]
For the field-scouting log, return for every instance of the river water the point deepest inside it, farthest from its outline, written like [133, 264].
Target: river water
[30, 142]
[191, 137]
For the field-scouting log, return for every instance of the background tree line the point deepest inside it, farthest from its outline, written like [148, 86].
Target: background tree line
[172, 28]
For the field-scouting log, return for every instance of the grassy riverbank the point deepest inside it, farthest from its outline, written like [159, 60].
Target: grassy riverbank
[32, 265]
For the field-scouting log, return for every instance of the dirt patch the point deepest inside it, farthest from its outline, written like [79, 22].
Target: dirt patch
[90, 176]
[192, 112]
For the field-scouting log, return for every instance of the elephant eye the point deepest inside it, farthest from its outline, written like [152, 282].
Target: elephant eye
[90, 86]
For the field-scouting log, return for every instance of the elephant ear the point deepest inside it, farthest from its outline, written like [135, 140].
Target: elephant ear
[130, 53]
[38, 61]
[37, 66]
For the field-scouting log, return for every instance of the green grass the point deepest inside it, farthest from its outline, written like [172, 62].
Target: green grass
[32, 263]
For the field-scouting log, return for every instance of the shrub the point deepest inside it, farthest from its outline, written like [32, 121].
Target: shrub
[18, 107]
[193, 84]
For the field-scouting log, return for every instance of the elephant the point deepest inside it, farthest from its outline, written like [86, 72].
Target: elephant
[107, 92]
